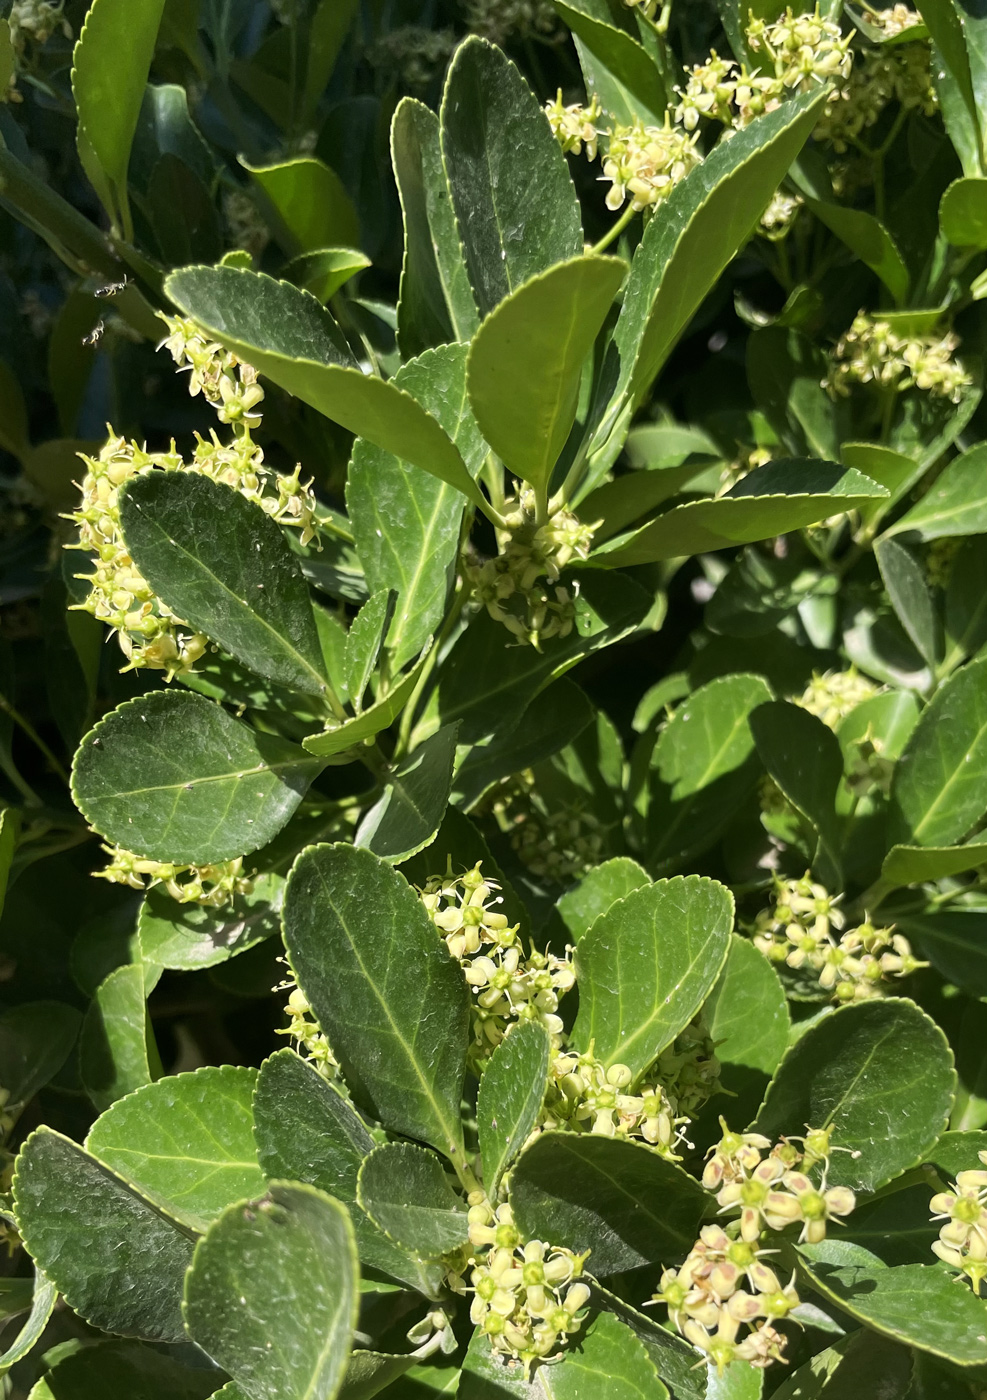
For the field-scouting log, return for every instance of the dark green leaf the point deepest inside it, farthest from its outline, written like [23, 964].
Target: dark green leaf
[918, 1305]
[406, 523]
[963, 213]
[512, 1091]
[125, 1369]
[192, 936]
[408, 815]
[862, 1366]
[905, 580]
[956, 503]
[174, 777]
[746, 1012]
[185, 1143]
[856, 1071]
[616, 67]
[36, 1039]
[392, 1002]
[116, 1259]
[285, 334]
[407, 1194]
[939, 787]
[373, 719]
[608, 1354]
[869, 240]
[954, 940]
[116, 1045]
[770, 500]
[515, 205]
[225, 567]
[273, 1292]
[675, 1360]
[784, 370]
[601, 887]
[526, 361]
[804, 758]
[436, 303]
[363, 643]
[615, 1197]
[646, 966]
[966, 603]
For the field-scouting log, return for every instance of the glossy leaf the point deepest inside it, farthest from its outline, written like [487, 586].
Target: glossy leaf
[406, 523]
[770, 500]
[408, 815]
[36, 1038]
[187, 937]
[526, 361]
[363, 643]
[116, 1044]
[857, 1367]
[515, 206]
[436, 303]
[512, 1091]
[285, 334]
[273, 1292]
[392, 1002]
[939, 786]
[803, 757]
[225, 567]
[965, 619]
[915, 1304]
[407, 1194]
[911, 598]
[185, 1143]
[746, 1012]
[954, 941]
[646, 966]
[913, 865]
[31, 1330]
[617, 68]
[108, 80]
[869, 240]
[674, 1358]
[323, 271]
[955, 504]
[615, 1197]
[118, 1262]
[598, 889]
[963, 213]
[608, 1353]
[703, 766]
[860, 1068]
[126, 1369]
[309, 204]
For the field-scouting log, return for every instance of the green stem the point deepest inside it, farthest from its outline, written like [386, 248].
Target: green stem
[616, 231]
[34, 736]
[332, 527]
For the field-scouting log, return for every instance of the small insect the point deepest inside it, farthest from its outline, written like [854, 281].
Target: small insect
[94, 335]
[112, 289]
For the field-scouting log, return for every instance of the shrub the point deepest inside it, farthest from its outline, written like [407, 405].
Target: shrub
[539, 541]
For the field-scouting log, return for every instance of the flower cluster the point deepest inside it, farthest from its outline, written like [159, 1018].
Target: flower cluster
[307, 1033]
[502, 20]
[872, 352]
[507, 986]
[526, 1297]
[832, 695]
[893, 21]
[230, 386]
[512, 586]
[645, 163]
[899, 73]
[777, 219]
[724, 1284]
[804, 928]
[32, 23]
[585, 1096]
[558, 844]
[210, 885]
[244, 224]
[574, 127]
[962, 1241]
[416, 55]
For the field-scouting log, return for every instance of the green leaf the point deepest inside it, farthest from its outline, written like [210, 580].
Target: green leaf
[939, 785]
[36, 1038]
[963, 213]
[512, 1091]
[895, 471]
[858, 1367]
[869, 240]
[771, 500]
[125, 1369]
[785, 369]
[406, 523]
[323, 271]
[309, 205]
[436, 303]
[187, 937]
[646, 966]
[804, 758]
[733, 1383]
[674, 1358]
[610, 1195]
[954, 941]
[703, 766]
[117, 1053]
[370, 1372]
[407, 1194]
[747, 1013]
[607, 1354]
[372, 720]
[185, 1143]
[706, 219]
[515, 206]
[600, 888]
[620, 502]
[955, 504]
[408, 815]
[953, 80]
[307, 1131]
[286, 335]
[118, 1262]
[918, 1305]
[174, 777]
[108, 81]
[965, 621]
[391, 1001]
[526, 362]
[330, 24]
[224, 566]
[273, 1293]
[911, 598]
[856, 1071]
[363, 643]
[913, 865]
[616, 67]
